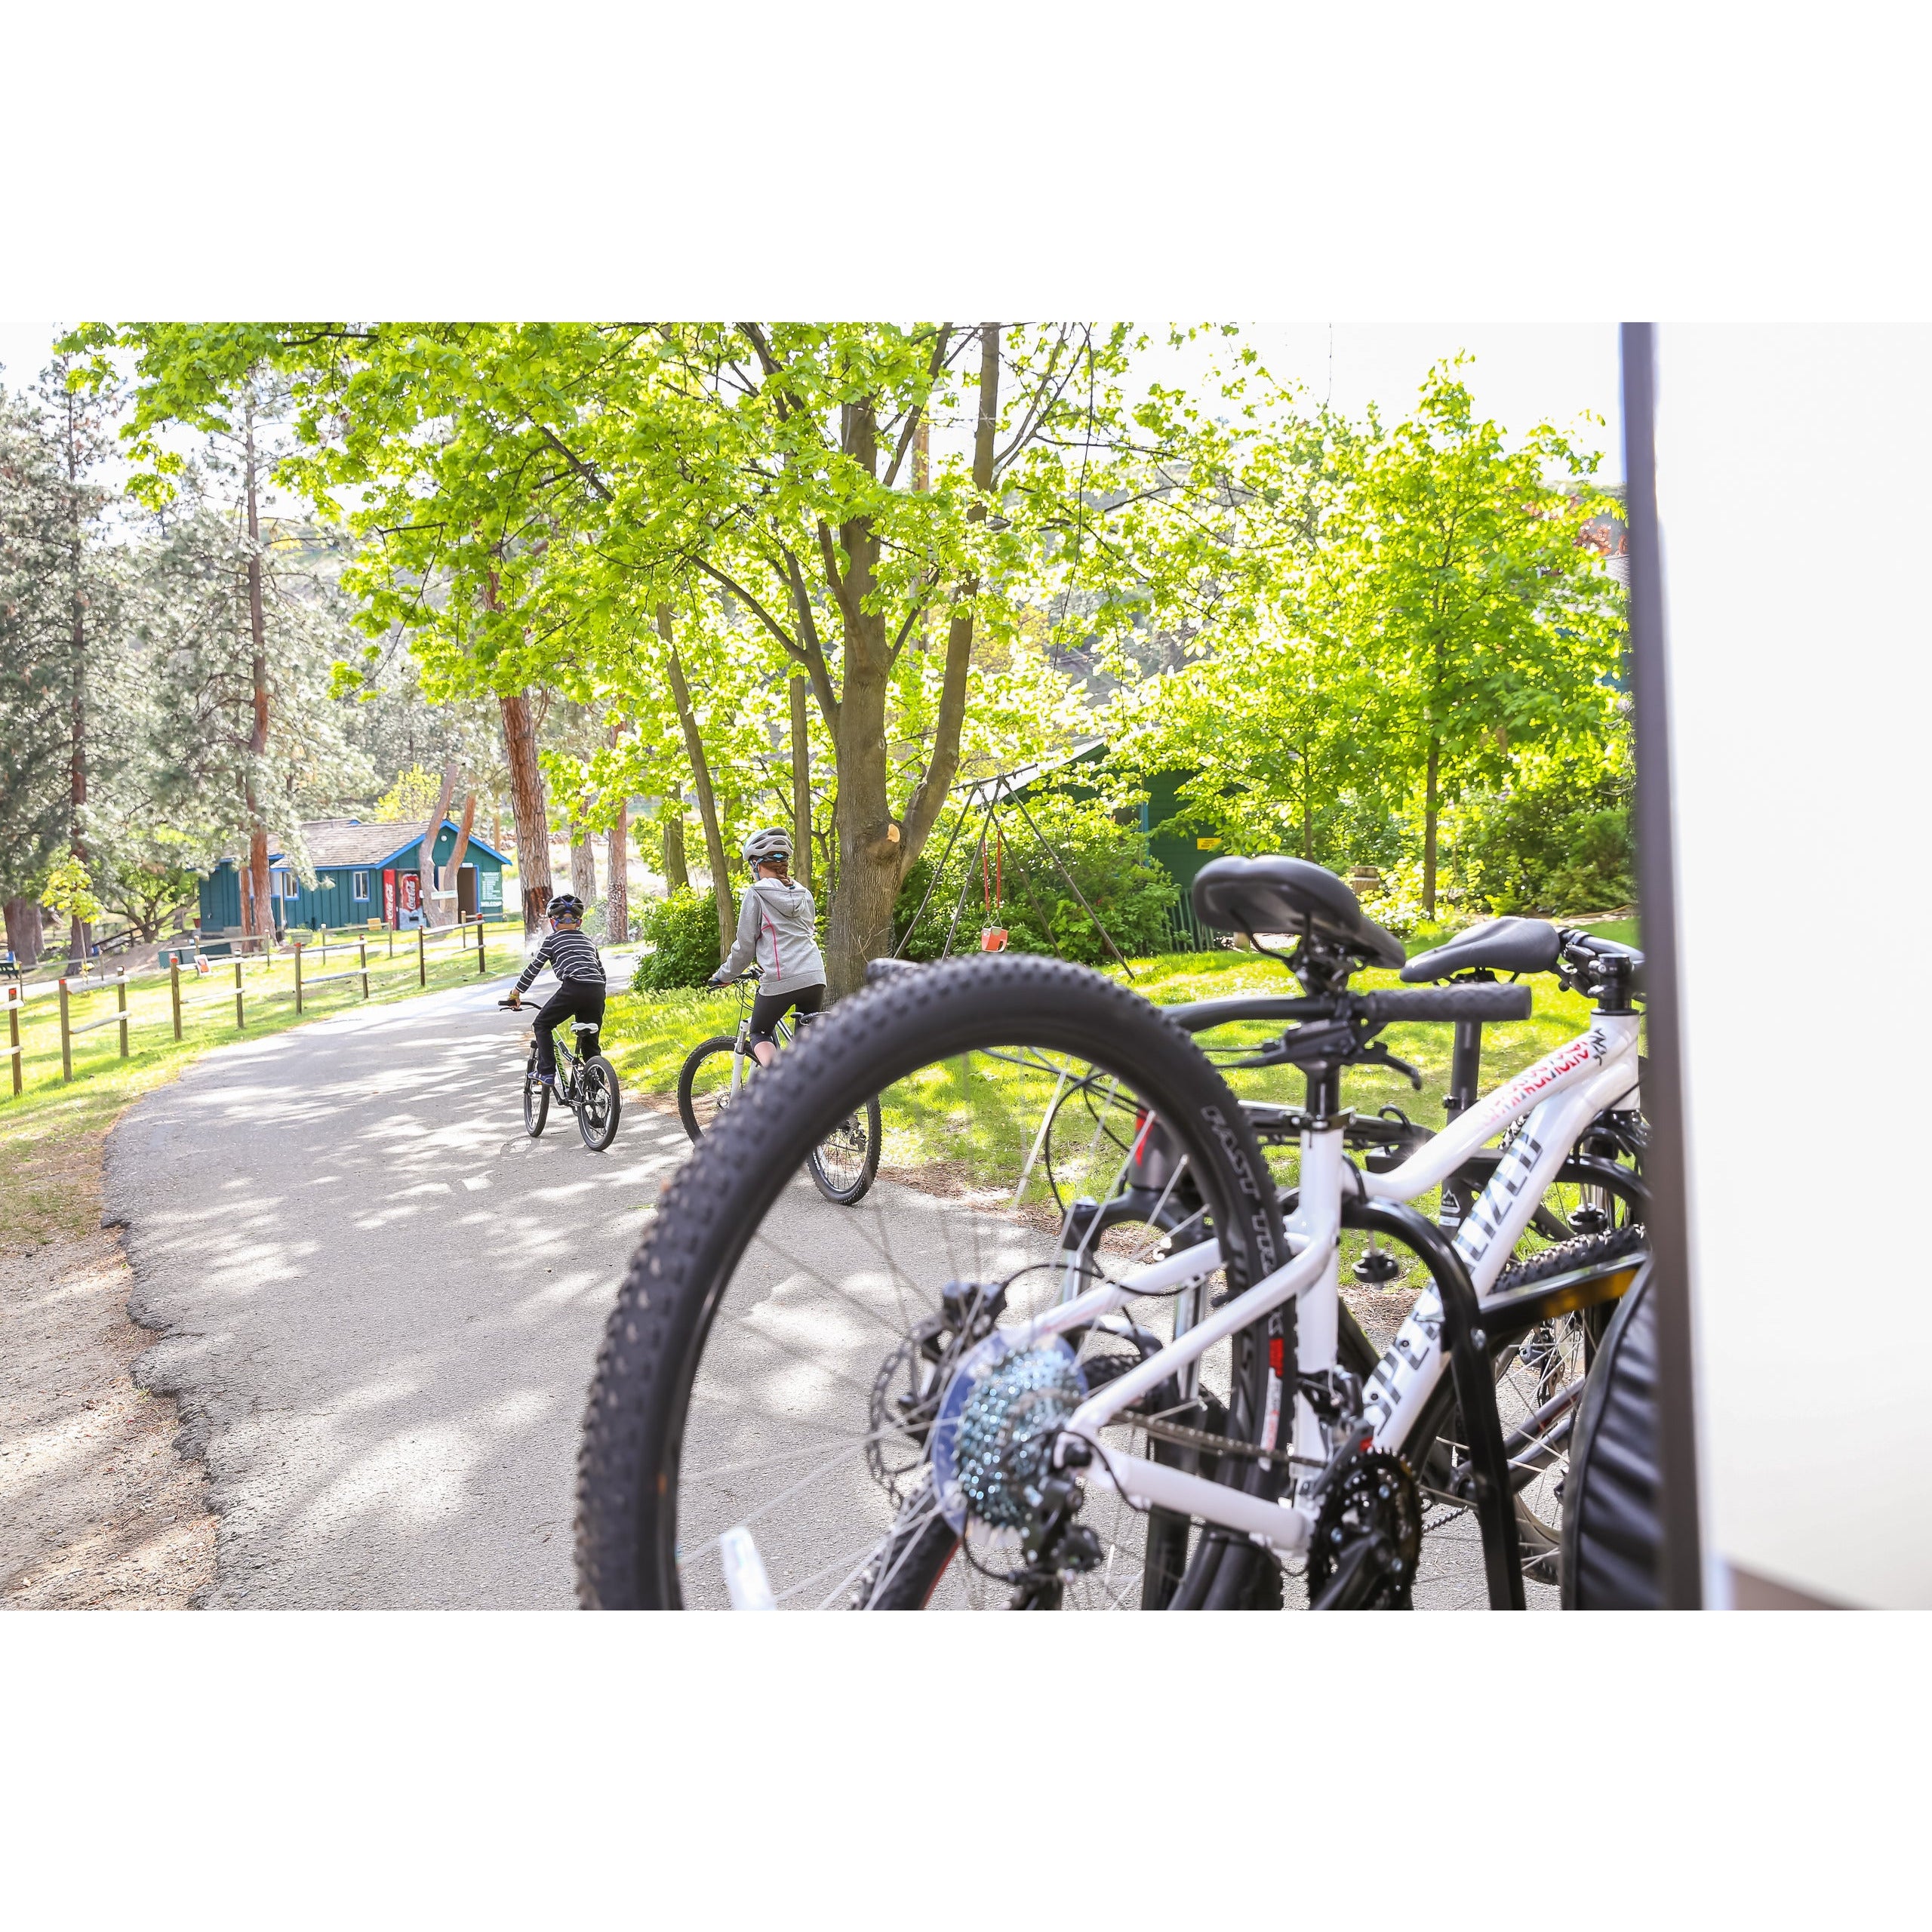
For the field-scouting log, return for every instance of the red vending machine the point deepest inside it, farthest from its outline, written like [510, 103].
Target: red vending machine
[388, 898]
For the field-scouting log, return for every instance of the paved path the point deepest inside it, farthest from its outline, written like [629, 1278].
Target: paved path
[381, 1301]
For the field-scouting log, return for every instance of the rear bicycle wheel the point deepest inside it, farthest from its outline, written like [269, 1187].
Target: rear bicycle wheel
[599, 1103]
[843, 1164]
[535, 1098]
[705, 1082]
[776, 1377]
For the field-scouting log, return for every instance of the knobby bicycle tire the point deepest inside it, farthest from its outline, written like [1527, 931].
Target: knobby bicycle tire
[850, 1191]
[535, 1098]
[599, 1128]
[724, 1043]
[628, 1480]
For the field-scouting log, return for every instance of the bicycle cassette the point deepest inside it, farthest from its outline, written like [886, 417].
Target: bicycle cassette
[1373, 1500]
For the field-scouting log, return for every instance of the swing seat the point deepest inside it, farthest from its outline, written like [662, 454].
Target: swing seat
[992, 939]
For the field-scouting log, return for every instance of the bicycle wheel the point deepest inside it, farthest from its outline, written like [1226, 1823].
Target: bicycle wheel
[535, 1098]
[599, 1103]
[776, 1375]
[704, 1082]
[842, 1164]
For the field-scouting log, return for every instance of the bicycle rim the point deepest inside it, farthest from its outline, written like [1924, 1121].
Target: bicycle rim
[776, 1365]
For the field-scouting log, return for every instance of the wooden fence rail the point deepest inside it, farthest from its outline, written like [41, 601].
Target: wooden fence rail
[260, 966]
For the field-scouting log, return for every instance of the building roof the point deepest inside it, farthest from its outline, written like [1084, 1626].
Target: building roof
[348, 841]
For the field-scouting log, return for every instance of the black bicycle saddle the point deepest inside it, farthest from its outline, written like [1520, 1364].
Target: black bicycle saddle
[1283, 895]
[1502, 946]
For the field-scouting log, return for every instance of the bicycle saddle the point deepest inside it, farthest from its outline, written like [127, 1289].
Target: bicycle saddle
[1284, 895]
[1502, 946]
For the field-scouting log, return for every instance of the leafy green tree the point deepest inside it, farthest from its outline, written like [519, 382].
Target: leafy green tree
[683, 939]
[1453, 567]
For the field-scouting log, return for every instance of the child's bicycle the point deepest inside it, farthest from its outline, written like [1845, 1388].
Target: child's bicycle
[587, 1084]
[842, 1164]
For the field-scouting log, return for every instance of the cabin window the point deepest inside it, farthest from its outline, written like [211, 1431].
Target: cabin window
[285, 883]
[358, 886]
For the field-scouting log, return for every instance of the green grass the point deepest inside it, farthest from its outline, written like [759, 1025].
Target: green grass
[51, 1134]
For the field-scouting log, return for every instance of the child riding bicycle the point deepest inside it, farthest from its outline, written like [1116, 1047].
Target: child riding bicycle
[776, 927]
[579, 971]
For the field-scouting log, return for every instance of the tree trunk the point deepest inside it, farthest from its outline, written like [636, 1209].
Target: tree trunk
[425, 866]
[923, 809]
[258, 672]
[23, 931]
[533, 831]
[457, 850]
[677, 878]
[583, 866]
[707, 804]
[801, 788]
[1430, 804]
[618, 893]
[77, 765]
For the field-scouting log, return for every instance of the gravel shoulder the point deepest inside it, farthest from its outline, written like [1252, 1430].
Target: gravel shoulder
[99, 1509]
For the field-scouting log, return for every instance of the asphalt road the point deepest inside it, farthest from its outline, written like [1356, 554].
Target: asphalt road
[381, 1301]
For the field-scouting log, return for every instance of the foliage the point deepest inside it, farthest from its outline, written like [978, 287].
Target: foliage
[682, 930]
[411, 798]
[1557, 841]
[68, 891]
[150, 873]
[1130, 893]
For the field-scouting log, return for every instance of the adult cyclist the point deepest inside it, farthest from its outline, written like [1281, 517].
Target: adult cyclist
[777, 928]
[579, 971]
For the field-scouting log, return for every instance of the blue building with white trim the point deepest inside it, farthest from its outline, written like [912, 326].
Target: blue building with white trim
[363, 873]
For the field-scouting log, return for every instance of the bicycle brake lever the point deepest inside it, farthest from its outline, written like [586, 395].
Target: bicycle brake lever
[1375, 1053]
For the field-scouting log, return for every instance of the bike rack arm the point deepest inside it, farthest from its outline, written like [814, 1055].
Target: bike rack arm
[1476, 1387]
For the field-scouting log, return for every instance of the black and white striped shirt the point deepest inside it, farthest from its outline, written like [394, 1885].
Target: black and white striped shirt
[571, 956]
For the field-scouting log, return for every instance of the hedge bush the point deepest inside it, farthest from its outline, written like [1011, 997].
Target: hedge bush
[682, 932]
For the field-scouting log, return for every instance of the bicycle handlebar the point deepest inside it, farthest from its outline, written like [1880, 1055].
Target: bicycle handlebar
[1499, 1000]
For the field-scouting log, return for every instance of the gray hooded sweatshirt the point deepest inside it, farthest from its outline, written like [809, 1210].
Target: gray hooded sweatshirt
[775, 927]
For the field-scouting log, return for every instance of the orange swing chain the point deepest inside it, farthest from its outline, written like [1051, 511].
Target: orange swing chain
[993, 937]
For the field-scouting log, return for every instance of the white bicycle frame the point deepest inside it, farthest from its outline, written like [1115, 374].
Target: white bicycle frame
[1561, 1095]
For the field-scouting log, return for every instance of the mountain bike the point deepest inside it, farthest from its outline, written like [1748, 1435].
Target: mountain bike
[969, 1405]
[842, 1163]
[586, 1083]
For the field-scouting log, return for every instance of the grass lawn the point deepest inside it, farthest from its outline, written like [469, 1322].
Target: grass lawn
[50, 1134]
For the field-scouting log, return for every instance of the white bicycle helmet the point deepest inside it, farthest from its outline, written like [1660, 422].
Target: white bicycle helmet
[763, 846]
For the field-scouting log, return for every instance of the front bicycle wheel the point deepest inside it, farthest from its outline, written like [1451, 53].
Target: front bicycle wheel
[846, 1408]
[711, 1079]
[843, 1164]
[599, 1103]
[535, 1098]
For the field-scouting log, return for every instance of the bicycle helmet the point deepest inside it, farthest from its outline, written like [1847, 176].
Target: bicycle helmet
[566, 905]
[763, 847]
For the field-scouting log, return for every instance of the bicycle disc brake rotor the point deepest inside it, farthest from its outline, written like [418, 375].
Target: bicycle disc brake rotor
[1375, 1497]
[995, 1431]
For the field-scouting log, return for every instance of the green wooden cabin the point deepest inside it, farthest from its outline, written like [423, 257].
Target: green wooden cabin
[363, 872]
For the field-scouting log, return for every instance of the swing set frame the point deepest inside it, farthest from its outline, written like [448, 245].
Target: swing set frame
[988, 794]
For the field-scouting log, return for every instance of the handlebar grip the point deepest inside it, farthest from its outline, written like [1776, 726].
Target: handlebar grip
[1477, 1001]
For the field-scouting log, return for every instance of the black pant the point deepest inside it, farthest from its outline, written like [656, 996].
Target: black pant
[769, 1008]
[573, 1000]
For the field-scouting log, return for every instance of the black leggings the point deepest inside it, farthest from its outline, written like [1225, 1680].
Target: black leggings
[769, 1008]
[571, 1000]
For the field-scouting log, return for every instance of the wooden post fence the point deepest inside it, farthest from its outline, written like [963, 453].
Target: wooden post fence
[16, 998]
[422, 959]
[298, 973]
[365, 969]
[68, 1030]
[240, 1021]
[174, 991]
